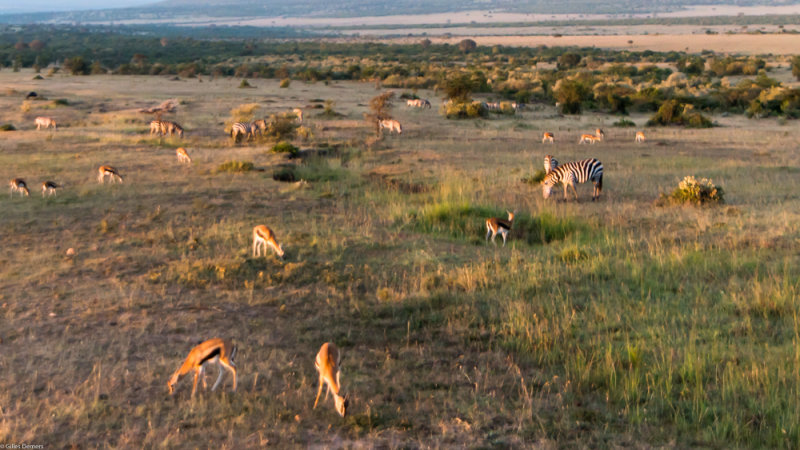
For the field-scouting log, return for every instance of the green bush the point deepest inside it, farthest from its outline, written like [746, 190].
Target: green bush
[60, 102]
[624, 123]
[673, 112]
[245, 84]
[694, 191]
[7, 127]
[235, 166]
[284, 147]
[536, 178]
[464, 110]
[285, 83]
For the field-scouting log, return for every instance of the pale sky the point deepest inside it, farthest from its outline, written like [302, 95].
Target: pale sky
[24, 6]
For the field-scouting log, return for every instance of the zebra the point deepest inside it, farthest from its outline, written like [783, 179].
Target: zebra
[242, 128]
[575, 172]
[171, 128]
[550, 163]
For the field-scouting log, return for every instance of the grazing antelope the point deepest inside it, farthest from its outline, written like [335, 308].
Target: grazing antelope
[183, 155]
[299, 113]
[242, 129]
[263, 237]
[550, 163]
[259, 126]
[171, 128]
[640, 136]
[108, 171]
[548, 137]
[496, 225]
[590, 138]
[391, 125]
[327, 364]
[599, 133]
[211, 351]
[49, 188]
[19, 185]
[575, 172]
[45, 122]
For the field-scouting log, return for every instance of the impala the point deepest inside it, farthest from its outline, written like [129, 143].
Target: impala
[327, 364]
[211, 351]
[497, 225]
[263, 237]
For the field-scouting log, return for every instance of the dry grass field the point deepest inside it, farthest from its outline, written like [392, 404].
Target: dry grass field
[616, 323]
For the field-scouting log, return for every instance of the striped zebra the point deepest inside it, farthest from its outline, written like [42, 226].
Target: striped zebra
[550, 163]
[575, 172]
[242, 129]
[171, 128]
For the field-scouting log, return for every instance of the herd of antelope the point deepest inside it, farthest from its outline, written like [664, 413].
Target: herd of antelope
[221, 352]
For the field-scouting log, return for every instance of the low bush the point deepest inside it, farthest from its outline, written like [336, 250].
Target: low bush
[694, 191]
[245, 84]
[285, 83]
[464, 110]
[673, 112]
[536, 178]
[284, 147]
[7, 127]
[624, 123]
[235, 166]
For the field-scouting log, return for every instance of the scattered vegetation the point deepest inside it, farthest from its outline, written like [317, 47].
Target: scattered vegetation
[694, 191]
[285, 147]
[7, 127]
[235, 166]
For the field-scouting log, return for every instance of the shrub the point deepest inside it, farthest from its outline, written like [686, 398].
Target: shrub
[673, 112]
[285, 83]
[235, 166]
[244, 84]
[7, 127]
[536, 178]
[464, 110]
[694, 191]
[570, 95]
[76, 66]
[38, 77]
[60, 102]
[281, 126]
[244, 112]
[624, 123]
[284, 147]
[379, 107]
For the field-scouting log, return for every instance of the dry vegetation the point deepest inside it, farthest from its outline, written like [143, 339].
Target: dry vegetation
[600, 324]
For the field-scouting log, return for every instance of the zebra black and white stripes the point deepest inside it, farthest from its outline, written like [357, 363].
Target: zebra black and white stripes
[242, 128]
[575, 172]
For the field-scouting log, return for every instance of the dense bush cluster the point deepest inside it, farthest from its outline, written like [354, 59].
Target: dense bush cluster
[575, 80]
[694, 191]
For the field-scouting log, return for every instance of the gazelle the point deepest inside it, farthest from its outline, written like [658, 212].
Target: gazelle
[599, 133]
[49, 188]
[108, 171]
[590, 138]
[496, 225]
[640, 136]
[214, 350]
[391, 125]
[548, 137]
[19, 185]
[182, 155]
[263, 237]
[299, 113]
[327, 364]
[45, 122]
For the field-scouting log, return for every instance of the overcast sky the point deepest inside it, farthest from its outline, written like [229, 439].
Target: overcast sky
[22, 6]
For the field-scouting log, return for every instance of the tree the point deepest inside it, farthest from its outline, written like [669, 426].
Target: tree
[36, 45]
[425, 43]
[796, 67]
[76, 66]
[570, 95]
[459, 87]
[691, 65]
[467, 45]
[379, 108]
[568, 60]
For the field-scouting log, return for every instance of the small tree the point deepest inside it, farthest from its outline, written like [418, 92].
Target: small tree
[379, 108]
[570, 95]
[568, 60]
[796, 67]
[467, 45]
[76, 66]
[459, 87]
[425, 43]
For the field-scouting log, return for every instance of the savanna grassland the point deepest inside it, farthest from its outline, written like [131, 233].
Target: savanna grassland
[600, 324]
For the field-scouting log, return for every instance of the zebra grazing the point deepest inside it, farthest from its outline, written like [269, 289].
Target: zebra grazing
[45, 122]
[575, 172]
[550, 163]
[242, 129]
[171, 128]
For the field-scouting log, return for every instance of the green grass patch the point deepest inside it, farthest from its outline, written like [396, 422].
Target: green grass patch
[235, 166]
[536, 178]
[285, 147]
[466, 221]
[624, 123]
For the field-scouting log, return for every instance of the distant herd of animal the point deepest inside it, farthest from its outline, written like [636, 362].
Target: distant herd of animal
[221, 351]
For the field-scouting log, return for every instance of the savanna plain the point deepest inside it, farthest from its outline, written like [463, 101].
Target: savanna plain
[600, 324]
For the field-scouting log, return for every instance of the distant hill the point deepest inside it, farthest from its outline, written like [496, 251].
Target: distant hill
[177, 9]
